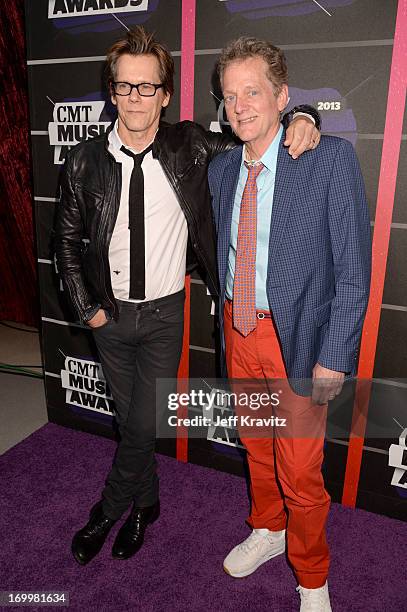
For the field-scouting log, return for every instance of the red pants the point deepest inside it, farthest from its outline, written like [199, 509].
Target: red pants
[287, 487]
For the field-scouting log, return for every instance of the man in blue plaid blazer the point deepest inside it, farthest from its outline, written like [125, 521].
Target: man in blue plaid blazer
[312, 273]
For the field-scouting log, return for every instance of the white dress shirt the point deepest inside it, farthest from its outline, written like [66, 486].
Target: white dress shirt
[165, 226]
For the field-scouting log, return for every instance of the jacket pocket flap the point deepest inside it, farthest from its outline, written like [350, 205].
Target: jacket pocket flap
[88, 191]
[322, 313]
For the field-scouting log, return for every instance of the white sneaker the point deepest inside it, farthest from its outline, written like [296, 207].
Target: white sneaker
[259, 547]
[315, 600]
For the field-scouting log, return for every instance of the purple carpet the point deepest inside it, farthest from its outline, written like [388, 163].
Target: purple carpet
[49, 482]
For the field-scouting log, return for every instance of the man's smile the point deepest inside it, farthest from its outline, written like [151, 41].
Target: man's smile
[248, 120]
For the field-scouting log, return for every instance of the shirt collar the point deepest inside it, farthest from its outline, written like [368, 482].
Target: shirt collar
[115, 142]
[269, 157]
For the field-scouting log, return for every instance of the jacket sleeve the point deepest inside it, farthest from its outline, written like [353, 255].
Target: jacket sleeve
[69, 231]
[349, 227]
[217, 142]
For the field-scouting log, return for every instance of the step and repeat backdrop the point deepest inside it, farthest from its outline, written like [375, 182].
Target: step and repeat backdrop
[340, 55]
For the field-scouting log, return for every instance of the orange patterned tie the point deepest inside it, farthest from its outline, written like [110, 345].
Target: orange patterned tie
[244, 286]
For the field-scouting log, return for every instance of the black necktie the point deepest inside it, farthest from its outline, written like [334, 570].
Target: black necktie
[136, 226]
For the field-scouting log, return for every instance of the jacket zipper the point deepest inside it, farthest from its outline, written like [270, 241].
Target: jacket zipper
[100, 249]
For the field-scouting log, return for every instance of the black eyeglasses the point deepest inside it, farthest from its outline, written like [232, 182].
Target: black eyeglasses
[147, 90]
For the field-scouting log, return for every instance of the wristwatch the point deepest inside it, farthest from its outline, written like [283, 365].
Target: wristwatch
[303, 109]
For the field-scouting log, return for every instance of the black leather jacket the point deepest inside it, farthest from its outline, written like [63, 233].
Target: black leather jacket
[90, 198]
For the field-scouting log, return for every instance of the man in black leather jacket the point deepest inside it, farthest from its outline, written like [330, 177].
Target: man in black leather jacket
[91, 181]
[136, 311]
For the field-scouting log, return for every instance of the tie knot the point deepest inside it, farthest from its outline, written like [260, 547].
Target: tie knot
[138, 157]
[254, 169]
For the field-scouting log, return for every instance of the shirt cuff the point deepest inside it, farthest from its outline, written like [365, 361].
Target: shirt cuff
[304, 115]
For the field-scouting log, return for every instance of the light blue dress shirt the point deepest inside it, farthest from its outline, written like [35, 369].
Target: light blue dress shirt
[265, 193]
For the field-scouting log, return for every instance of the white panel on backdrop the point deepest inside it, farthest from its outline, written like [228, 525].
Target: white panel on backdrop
[86, 386]
[79, 8]
[398, 460]
[74, 122]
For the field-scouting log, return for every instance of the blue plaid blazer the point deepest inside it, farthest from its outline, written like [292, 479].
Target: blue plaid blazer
[318, 272]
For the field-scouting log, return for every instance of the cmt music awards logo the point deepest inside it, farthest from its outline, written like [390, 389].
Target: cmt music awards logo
[74, 122]
[398, 460]
[219, 412]
[86, 386]
[337, 119]
[258, 9]
[79, 16]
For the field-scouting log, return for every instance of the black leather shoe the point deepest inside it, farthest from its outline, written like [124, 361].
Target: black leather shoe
[89, 540]
[131, 535]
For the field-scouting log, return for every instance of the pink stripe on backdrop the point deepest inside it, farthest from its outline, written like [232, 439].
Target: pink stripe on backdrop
[186, 112]
[384, 209]
[187, 60]
[386, 189]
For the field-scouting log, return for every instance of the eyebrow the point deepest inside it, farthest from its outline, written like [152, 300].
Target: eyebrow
[245, 87]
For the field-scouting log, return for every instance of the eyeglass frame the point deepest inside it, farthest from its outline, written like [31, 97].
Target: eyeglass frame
[136, 85]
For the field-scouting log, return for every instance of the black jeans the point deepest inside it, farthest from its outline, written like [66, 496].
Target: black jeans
[143, 345]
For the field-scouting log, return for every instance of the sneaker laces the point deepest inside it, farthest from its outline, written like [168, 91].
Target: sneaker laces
[312, 598]
[253, 541]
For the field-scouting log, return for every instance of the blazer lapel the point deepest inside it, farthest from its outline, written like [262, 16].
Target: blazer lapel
[227, 197]
[284, 193]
